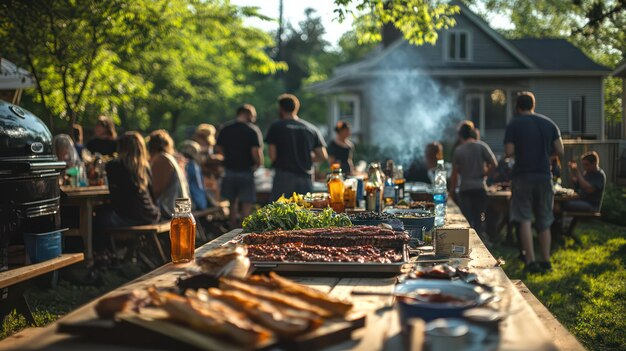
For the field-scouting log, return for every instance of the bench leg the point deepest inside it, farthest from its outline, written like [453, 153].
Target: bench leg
[159, 247]
[200, 232]
[13, 298]
[571, 228]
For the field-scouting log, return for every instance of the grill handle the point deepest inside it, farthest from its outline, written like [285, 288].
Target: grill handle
[22, 167]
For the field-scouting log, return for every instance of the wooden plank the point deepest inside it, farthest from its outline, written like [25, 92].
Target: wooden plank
[561, 337]
[85, 191]
[18, 275]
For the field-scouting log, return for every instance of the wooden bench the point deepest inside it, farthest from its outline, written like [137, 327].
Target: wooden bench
[150, 232]
[576, 218]
[209, 214]
[16, 278]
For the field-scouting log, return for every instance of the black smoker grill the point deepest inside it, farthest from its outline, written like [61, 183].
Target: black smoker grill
[29, 171]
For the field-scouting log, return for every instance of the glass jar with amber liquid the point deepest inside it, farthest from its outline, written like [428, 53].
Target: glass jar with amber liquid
[183, 231]
[336, 189]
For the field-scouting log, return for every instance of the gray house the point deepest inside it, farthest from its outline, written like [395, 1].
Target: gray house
[403, 92]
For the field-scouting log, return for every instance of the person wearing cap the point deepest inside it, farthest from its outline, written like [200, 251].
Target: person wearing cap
[241, 144]
[191, 150]
[293, 145]
[341, 148]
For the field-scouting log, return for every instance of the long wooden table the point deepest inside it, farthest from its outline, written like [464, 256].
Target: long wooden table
[522, 329]
[85, 198]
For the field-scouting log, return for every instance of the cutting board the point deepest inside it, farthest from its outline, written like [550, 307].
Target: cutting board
[146, 330]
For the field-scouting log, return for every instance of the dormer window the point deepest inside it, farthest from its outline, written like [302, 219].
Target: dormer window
[457, 46]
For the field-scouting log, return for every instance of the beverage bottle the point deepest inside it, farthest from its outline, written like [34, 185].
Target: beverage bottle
[440, 192]
[336, 189]
[398, 179]
[389, 192]
[183, 231]
[373, 188]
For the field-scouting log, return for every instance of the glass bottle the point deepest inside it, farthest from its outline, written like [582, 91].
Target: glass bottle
[398, 179]
[336, 189]
[183, 231]
[440, 193]
[374, 188]
[389, 193]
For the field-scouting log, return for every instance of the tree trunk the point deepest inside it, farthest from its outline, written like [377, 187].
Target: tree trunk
[174, 124]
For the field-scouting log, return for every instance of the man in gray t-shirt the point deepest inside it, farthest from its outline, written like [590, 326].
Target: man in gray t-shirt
[469, 161]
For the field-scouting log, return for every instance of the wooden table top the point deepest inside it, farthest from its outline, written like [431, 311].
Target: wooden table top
[85, 191]
[522, 329]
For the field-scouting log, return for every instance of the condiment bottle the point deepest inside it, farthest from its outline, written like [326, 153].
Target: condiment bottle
[373, 188]
[183, 231]
[336, 189]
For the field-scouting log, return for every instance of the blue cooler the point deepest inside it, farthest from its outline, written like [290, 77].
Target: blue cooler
[43, 246]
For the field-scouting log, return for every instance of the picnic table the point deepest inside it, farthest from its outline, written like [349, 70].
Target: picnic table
[498, 207]
[85, 198]
[16, 278]
[521, 330]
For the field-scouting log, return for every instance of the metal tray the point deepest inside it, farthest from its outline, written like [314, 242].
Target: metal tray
[336, 268]
[341, 269]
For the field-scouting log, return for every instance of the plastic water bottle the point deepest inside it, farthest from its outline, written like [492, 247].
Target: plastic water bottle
[440, 193]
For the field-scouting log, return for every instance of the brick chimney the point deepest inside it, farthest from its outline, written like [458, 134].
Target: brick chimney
[390, 34]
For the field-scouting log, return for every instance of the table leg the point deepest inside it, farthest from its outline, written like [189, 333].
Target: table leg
[86, 230]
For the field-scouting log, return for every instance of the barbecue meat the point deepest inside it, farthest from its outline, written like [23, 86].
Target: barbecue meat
[336, 237]
[299, 252]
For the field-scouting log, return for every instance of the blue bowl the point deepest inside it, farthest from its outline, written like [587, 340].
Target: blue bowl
[429, 311]
[43, 246]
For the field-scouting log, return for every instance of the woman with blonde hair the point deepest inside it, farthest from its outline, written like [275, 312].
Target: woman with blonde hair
[104, 135]
[130, 185]
[169, 181]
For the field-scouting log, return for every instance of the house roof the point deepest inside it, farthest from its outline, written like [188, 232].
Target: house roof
[13, 77]
[620, 71]
[549, 54]
[539, 57]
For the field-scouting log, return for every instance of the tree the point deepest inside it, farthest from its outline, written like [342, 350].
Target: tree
[65, 44]
[418, 20]
[201, 66]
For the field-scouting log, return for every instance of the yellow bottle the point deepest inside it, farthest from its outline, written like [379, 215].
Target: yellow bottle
[336, 189]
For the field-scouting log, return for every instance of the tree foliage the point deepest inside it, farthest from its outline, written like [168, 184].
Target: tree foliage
[418, 20]
[147, 63]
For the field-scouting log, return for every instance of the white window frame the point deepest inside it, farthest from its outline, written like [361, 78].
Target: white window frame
[481, 118]
[569, 113]
[356, 100]
[469, 57]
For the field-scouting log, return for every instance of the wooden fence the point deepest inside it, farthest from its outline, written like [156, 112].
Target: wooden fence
[612, 158]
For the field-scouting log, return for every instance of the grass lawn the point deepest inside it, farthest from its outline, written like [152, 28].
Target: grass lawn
[586, 290]
[50, 304]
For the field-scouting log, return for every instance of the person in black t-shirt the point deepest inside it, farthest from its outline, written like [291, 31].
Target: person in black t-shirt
[103, 141]
[341, 148]
[294, 144]
[589, 184]
[241, 144]
[532, 139]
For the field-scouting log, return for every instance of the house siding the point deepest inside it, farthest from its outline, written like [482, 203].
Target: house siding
[553, 95]
[486, 52]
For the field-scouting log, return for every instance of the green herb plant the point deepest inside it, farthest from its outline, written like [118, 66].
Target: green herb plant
[290, 216]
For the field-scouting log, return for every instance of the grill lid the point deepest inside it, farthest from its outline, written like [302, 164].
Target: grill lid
[23, 135]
